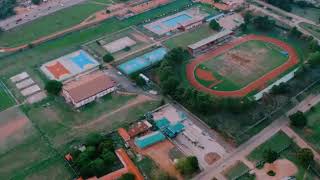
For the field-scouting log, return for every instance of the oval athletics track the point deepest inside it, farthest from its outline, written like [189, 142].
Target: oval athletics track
[293, 60]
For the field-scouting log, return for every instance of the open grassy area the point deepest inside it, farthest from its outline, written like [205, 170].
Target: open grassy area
[190, 37]
[278, 142]
[314, 30]
[46, 25]
[241, 66]
[311, 133]
[6, 100]
[149, 168]
[236, 170]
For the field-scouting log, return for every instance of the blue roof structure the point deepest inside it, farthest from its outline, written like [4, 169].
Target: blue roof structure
[174, 129]
[150, 139]
[162, 123]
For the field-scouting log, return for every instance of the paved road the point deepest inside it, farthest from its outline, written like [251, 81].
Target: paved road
[296, 20]
[251, 144]
[36, 12]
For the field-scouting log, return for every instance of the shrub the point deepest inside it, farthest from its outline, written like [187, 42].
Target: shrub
[298, 119]
[108, 58]
[271, 173]
[270, 156]
[53, 87]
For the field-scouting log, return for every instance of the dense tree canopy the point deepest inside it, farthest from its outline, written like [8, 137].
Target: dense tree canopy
[314, 58]
[7, 8]
[263, 23]
[282, 4]
[127, 176]
[214, 25]
[108, 58]
[270, 156]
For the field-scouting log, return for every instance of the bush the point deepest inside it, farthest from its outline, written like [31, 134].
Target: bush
[108, 58]
[93, 139]
[270, 156]
[36, 2]
[298, 119]
[271, 173]
[127, 176]
[53, 87]
[214, 25]
[188, 165]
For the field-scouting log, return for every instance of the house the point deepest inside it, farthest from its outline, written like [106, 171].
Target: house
[88, 88]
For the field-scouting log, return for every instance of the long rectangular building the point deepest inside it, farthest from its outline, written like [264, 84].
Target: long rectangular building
[88, 88]
[210, 42]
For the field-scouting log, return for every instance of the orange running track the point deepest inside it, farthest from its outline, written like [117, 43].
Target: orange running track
[259, 83]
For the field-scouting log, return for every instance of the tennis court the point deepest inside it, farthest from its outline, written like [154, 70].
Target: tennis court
[142, 62]
[6, 99]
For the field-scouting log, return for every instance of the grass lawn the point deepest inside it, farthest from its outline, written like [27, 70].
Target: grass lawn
[311, 133]
[236, 170]
[244, 66]
[314, 30]
[277, 143]
[6, 100]
[149, 168]
[46, 25]
[312, 14]
[190, 37]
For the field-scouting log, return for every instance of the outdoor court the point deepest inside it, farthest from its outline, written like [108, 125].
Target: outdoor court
[69, 65]
[236, 70]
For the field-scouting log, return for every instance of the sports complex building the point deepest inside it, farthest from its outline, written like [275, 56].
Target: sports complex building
[69, 66]
[210, 42]
[181, 21]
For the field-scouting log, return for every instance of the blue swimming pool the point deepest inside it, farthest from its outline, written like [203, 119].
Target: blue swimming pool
[143, 61]
[175, 21]
[82, 59]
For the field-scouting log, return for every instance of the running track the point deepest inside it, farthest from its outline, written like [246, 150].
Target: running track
[259, 83]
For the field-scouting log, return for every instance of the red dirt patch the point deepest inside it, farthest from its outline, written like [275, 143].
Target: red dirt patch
[212, 157]
[204, 74]
[12, 127]
[192, 67]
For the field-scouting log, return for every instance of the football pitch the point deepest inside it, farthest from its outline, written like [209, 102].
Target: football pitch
[242, 66]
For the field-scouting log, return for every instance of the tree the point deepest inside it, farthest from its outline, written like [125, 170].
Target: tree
[314, 58]
[7, 8]
[127, 176]
[248, 17]
[295, 32]
[305, 156]
[93, 139]
[106, 144]
[282, 88]
[214, 25]
[169, 85]
[108, 157]
[53, 87]
[270, 156]
[36, 2]
[108, 58]
[282, 4]
[188, 165]
[263, 23]
[298, 119]
[314, 45]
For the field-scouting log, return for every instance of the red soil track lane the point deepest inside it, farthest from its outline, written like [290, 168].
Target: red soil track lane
[259, 83]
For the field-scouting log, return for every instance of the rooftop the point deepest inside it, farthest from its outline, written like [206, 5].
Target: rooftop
[88, 86]
[209, 39]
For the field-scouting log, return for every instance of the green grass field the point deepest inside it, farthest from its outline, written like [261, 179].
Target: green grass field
[190, 37]
[236, 170]
[6, 100]
[314, 30]
[241, 66]
[311, 133]
[48, 24]
[277, 143]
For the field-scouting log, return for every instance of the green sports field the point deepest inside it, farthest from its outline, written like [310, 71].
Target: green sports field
[240, 65]
[6, 100]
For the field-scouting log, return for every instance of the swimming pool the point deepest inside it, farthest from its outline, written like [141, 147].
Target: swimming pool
[143, 61]
[175, 21]
[82, 59]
